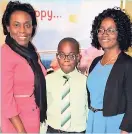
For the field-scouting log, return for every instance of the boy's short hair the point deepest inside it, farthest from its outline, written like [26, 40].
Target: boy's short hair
[72, 40]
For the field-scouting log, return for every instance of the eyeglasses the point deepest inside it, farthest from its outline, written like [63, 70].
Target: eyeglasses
[109, 31]
[63, 56]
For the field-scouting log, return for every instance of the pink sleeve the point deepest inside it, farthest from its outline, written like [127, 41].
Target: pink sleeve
[9, 106]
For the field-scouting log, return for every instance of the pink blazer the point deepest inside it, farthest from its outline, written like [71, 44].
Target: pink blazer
[18, 79]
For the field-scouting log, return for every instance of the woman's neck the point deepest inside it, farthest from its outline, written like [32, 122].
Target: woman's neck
[110, 53]
[110, 56]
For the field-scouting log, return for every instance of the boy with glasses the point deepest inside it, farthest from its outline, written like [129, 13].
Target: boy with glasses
[66, 92]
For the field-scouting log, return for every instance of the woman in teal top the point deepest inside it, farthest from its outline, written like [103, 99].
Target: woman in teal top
[97, 123]
[110, 78]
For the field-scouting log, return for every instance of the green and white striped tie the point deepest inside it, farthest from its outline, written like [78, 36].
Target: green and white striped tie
[65, 105]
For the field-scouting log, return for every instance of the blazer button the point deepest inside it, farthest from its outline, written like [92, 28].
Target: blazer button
[33, 109]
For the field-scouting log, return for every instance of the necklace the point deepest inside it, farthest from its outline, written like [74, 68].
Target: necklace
[112, 58]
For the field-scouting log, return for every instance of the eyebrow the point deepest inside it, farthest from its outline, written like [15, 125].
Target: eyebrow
[24, 22]
[101, 27]
[68, 53]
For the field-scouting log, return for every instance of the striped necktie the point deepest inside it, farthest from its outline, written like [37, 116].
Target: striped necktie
[65, 105]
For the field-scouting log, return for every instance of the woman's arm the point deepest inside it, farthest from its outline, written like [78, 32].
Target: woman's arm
[10, 109]
[17, 123]
[126, 125]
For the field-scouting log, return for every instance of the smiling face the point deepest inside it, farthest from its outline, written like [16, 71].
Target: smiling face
[108, 38]
[20, 27]
[68, 56]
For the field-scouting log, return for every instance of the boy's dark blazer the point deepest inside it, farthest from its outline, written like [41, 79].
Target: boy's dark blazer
[118, 91]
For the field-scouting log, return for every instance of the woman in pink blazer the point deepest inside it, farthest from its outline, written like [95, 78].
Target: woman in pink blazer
[24, 101]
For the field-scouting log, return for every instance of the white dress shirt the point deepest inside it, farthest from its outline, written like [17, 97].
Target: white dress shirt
[78, 100]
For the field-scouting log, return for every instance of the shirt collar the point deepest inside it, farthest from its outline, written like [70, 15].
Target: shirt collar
[71, 74]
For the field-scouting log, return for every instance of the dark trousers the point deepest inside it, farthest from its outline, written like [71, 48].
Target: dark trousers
[52, 130]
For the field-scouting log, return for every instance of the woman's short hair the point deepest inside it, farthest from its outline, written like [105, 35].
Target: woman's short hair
[17, 6]
[123, 25]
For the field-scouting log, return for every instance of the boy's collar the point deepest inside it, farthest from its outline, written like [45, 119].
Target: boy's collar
[69, 74]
